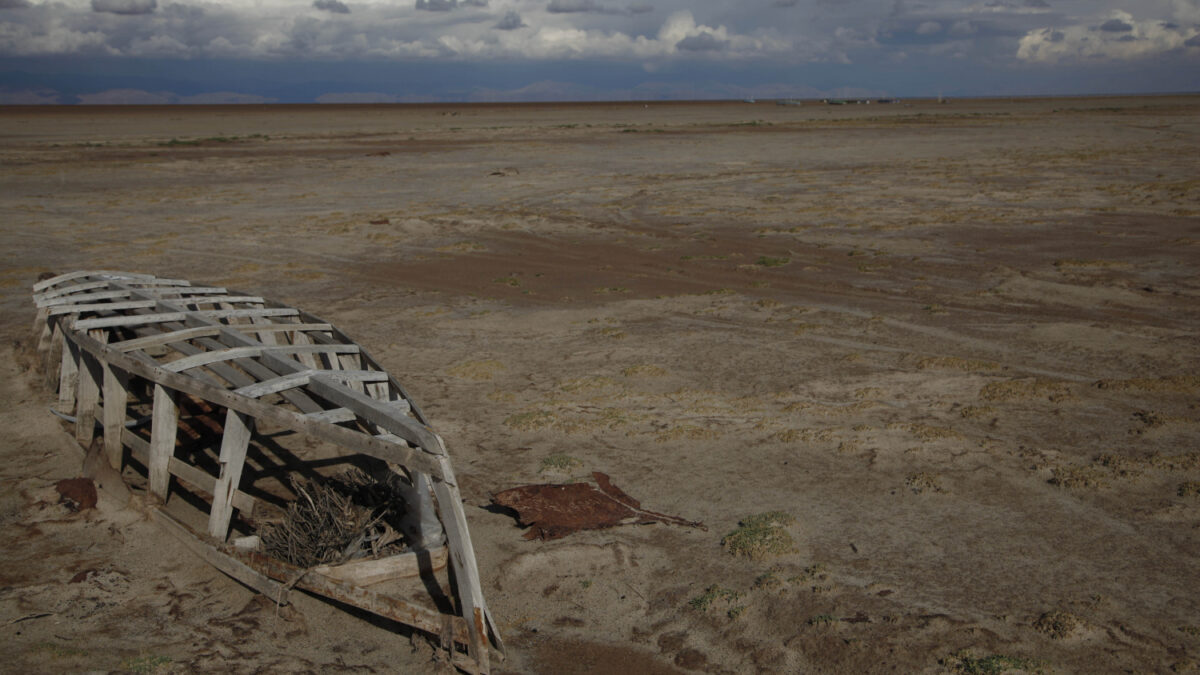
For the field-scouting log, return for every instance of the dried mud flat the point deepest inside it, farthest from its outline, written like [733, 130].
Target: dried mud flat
[941, 362]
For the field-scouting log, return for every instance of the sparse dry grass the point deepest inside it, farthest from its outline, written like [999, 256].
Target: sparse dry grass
[1183, 384]
[479, 371]
[1026, 389]
[761, 536]
[1056, 625]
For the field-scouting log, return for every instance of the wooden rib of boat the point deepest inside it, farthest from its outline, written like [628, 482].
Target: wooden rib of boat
[114, 343]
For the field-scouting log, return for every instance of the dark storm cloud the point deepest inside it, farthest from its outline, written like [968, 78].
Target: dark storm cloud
[437, 5]
[641, 8]
[333, 6]
[1037, 4]
[1193, 41]
[1115, 26]
[125, 6]
[510, 21]
[14, 4]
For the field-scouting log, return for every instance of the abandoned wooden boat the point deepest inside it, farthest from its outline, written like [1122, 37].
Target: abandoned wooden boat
[241, 393]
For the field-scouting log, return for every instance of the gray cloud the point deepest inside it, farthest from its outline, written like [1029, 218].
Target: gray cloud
[125, 6]
[510, 21]
[437, 5]
[14, 4]
[1193, 41]
[702, 42]
[1116, 26]
[1037, 4]
[641, 8]
[784, 3]
[333, 6]
[573, 6]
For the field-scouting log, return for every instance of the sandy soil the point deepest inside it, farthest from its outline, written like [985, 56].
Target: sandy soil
[953, 346]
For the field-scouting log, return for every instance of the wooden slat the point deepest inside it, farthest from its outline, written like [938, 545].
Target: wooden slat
[87, 398]
[140, 448]
[301, 378]
[422, 618]
[333, 416]
[84, 297]
[163, 429]
[231, 566]
[205, 358]
[51, 293]
[235, 438]
[68, 378]
[377, 413]
[116, 401]
[100, 307]
[165, 338]
[399, 566]
[131, 320]
[71, 276]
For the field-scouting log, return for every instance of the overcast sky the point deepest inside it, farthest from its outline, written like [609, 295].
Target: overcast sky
[148, 51]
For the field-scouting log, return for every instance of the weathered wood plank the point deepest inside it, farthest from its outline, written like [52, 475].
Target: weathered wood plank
[466, 577]
[377, 412]
[129, 321]
[87, 398]
[418, 617]
[116, 401]
[231, 566]
[205, 358]
[140, 449]
[235, 438]
[71, 276]
[333, 416]
[301, 378]
[170, 337]
[100, 307]
[81, 298]
[144, 319]
[68, 376]
[164, 426]
[401, 566]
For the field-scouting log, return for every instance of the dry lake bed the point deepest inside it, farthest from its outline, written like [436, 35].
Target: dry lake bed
[929, 373]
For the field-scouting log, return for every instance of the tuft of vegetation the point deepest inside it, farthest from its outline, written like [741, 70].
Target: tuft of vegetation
[923, 482]
[1057, 624]
[821, 620]
[715, 597]
[146, 664]
[559, 463]
[767, 261]
[994, 664]
[761, 536]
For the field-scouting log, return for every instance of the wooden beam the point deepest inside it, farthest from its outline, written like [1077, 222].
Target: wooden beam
[234, 441]
[378, 413]
[229, 354]
[68, 378]
[87, 398]
[140, 448]
[116, 400]
[164, 425]
[231, 566]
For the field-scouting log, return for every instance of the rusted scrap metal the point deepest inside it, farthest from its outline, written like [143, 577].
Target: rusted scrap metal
[229, 363]
[552, 511]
